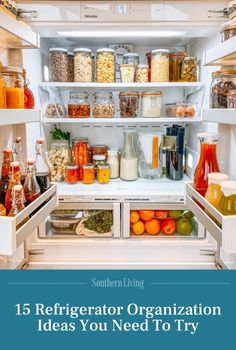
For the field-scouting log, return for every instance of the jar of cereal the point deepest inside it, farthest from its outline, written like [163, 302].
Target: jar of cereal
[83, 65]
[160, 65]
[105, 65]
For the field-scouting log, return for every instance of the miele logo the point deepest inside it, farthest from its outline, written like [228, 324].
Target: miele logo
[91, 16]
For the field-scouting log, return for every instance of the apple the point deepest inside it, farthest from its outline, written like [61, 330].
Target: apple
[161, 214]
[168, 226]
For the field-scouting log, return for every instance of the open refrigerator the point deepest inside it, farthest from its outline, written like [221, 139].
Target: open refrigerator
[50, 238]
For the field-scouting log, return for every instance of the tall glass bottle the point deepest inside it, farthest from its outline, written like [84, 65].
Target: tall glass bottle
[208, 161]
[15, 179]
[28, 94]
[31, 187]
[129, 161]
[18, 157]
[43, 171]
[5, 171]
[18, 201]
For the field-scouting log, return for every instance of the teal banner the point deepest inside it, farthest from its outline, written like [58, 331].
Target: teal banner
[117, 309]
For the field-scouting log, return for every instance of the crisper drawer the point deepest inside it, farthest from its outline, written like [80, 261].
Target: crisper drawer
[159, 221]
[82, 220]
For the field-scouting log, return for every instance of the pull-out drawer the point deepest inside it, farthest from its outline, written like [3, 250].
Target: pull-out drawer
[81, 220]
[159, 221]
[15, 230]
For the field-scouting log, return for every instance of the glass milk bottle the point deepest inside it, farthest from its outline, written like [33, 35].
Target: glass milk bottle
[129, 161]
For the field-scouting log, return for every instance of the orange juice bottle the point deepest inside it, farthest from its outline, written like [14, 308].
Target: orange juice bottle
[3, 94]
[14, 87]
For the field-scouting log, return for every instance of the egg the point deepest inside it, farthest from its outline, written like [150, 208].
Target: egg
[190, 111]
[180, 111]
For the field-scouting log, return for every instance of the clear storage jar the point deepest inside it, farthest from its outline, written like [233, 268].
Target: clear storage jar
[127, 73]
[131, 58]
[99, 150]
[3, 92]
[114, 162]
[59, 156]
[103, 106]
[105, 72]
[58, 64]
[78, 105]
[129, 104]
[176, 61]
[70, 67]
[141, 75]
[228, 30]
[231, 99]
[222, 82]
[83, 65]
[103, 173]
[189, 69]
[160, 65]
[14, 81]
[151, 103]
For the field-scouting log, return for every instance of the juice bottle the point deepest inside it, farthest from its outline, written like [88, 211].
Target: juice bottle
[31, 186]
[5, 170]
[43, 171]
[227, 204]
[15, 179]
[214, 193]
[3, 93]
[29, 97]
[14, 87]
[207, 163]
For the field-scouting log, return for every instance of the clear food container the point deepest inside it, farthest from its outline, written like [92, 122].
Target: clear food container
[78, 105]
[186, 110]
[88, 174]
[105, 72]
[72, 171]
[70, 67]
[103, 173]
[83, 65]
[103, 106]
[151, 103]
[131, 58]
[129, 104]
[127, 73]
[160, 65]
[228, 30]
[141, 75]
[222, 82]
[171, 109]
[58, 64]
[176, 61]
[14, 82]
[189, 69]
[231, 99]
[59, 156]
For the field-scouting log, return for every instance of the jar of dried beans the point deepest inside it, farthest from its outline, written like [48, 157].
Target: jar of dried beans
[58, 64]
[222, 82]
[83, 65]
[103, 106]
[129, 104]
[79, 106]
[105, 65]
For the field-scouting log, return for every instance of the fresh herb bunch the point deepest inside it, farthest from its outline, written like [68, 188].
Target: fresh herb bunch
[58, 134]
[100, 221]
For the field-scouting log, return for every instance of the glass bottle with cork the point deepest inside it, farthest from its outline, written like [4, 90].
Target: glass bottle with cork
[5, 171]
[18, 202]
[31, 187]
[18, 157]
[43, 171]
[28, 94]
[15, 179]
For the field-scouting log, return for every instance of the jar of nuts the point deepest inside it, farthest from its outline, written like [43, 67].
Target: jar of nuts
[189, 69]
[129, 104]
[58, 64]
[59, 156]
[160, 65]
[78, 105]
[222, 82]
[103, 106]
[141, 75]
[83, 65]
[105, 65]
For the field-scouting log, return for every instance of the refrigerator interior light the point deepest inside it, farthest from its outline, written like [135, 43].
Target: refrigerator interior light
[128, 33]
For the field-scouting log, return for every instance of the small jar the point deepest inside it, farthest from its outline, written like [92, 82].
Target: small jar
[114, 162]
[160, 65]
[141, 75]
[151, 102]
[222, 82]
[189, 69]
[127, 73]
[231, 99]
[131, 58]
[176, 61]
[70, 72]
[105, 72]
[71, 173]
[227, 204]
[81, 154]
[129, 104]
[79, 106]
[103, 106]
[58, 64]
[99, 150]
[88, 174]
[103, 173]
[97, 160]
[83, 65]
[59, 156]
[14, 81]
[214, 194]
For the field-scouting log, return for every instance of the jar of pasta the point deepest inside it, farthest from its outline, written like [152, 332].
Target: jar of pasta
[103, 106]
[103, 173]
[58, 64]
[141, 75]
[83, 65]
[105, 65]
[189, 69]
[176, 60]
[160, 65]
[78, 105]
[88, 174]
[14, 81]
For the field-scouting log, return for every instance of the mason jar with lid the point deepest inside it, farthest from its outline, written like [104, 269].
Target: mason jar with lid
[151, 103]
[78, 105]
[83, 65]
[131, 58]
[189, 69]
[129, 104]
[99, 150]
[103, 106]
[222, 82]
[59, 156]
[160, 65]
[176, 61]
[58, 64]
[105, 72]
[14, 81]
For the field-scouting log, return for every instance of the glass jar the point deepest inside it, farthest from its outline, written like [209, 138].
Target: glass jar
[151, 103]
[228, 30]
[129, 161]
[189, 69]
[13, 77]
[70, 72]
[103, 173]
[81, 154]
[114, 162]
[93, 67]
[88, 174]
[141, 75]
[222, 82]
[58, 64]
[78, 105]
[160, 65]
[231, 99]
[149, 63]
[83, 65]
[214, 194]
[97, 160]
[131, 58]
[127, 73]
[227, 204]
[71, 173]
[103, 106]
[59, 156]
[176, 61]
[105, 72]
[99, 150]
[3, 92]
[129, 104]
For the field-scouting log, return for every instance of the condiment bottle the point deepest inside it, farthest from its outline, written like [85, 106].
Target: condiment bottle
[3, 93]
[28, 94]
[5, 171]
[18, 200]
[72, 173]
[31, 186]
[18, 157]
[214, 193]
[43, 171]
[15, 179]
[129, 161]
[227, 204]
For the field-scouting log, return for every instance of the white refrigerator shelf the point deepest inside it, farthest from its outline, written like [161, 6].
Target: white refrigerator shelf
[221, 115]
[224, 54]
[19, 116]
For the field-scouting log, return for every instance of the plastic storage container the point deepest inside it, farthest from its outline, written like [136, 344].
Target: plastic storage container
[189, 69]
[58, 64]
[78, 105]
[59, 156]
[129, 104]
[222, 82]
[83, 65]
[14, 81]
[176, 61]
[105, 71]
[160, 65]
[103, 106]
[151, 103]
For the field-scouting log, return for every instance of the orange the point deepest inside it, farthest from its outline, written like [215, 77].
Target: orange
[139, 228]
[134, 216]
[146, 215]
[153, 227]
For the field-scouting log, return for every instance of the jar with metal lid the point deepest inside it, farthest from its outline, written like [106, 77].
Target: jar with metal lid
[78, 105]
[103, 106]
[222, 82]
[88, 174]
[141, 75]
[131, 58]
[227, 204]
[103, 173]
[176, 61]
[97, 160]
[99, 150]
[151, 103]
[58, 64]
[14, 81]
[83, 65]
[231, 99]
[189, 69]
[71, 173]
[129, 104]
[81, 153]
[160, 65]
[127, 73]
[105, 72]
[228, 30]
[59, 156]
[114, 162]
[70, 67]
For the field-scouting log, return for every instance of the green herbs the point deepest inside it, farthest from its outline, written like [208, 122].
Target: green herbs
[100, 221]
[58, 134]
